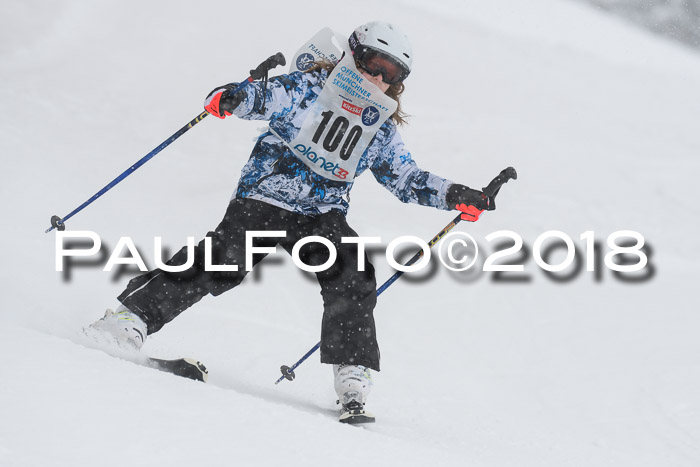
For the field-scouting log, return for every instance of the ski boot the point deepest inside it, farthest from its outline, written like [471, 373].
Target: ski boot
[352, 384]
[121, 327]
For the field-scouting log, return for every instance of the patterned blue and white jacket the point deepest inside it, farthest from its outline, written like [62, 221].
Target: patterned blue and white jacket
[273, 173]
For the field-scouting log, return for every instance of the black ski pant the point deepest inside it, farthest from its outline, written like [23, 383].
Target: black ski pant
[348, 332]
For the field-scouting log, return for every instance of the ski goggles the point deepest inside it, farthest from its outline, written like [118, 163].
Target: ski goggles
[378, 63]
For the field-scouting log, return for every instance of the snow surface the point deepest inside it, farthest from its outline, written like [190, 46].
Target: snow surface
[599, 118]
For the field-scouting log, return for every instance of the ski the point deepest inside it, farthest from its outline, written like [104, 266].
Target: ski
[185, 367]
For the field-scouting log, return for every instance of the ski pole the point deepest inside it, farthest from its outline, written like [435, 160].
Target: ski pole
[58, 223]
[491, 191]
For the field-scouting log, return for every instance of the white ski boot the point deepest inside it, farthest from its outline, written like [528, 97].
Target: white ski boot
[121, 327]
[352, 384]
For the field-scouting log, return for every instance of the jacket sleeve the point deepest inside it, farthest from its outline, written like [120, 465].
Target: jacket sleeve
[395, 169]
[282, 93]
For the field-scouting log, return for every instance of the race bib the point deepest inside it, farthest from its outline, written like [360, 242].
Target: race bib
[342, 122]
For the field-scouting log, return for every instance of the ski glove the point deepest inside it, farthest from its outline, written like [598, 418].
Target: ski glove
[470, 202]
[221, 102]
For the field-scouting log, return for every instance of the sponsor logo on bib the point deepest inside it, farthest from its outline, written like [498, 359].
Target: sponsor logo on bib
[305, 61]
[370, 116]
[314, 158]
[353, 109]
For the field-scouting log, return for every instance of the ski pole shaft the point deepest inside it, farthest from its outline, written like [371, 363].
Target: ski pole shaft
[491, 191]
[58, 223]
[419, 254]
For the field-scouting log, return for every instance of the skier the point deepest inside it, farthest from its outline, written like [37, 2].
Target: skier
[286, 186]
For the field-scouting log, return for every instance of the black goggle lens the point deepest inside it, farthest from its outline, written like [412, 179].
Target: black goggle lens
[377, 64]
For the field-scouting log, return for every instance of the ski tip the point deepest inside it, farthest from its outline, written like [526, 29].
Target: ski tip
[198, 366]
[356, 419]
[185, 367]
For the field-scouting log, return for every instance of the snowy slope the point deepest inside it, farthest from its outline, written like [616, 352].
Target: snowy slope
[599, 118]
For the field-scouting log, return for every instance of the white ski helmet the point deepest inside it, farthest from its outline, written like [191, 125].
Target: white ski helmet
[386, 40]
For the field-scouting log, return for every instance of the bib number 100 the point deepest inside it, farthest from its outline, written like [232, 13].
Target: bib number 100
[336, 133]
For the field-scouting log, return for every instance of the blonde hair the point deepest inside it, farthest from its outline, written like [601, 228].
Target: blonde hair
[395, 90]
